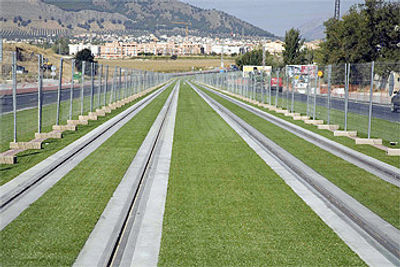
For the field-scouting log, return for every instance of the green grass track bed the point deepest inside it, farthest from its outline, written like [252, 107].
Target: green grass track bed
[381, 197]
[226, 207]
[52, 231]
[390, 128]
[30, 158]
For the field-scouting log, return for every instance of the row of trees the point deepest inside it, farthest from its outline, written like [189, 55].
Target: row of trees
[369, 32]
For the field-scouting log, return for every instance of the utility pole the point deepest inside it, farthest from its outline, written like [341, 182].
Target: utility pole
[222, 56]
[337, 9]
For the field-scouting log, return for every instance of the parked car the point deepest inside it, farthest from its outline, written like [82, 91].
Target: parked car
[395, 101]
[21, 70]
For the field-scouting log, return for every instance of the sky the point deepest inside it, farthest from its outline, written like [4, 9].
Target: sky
[277, 16]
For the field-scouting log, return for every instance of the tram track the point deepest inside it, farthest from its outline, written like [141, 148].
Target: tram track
[374, 166]
[19, 193]
[115, 240]
[372, 238]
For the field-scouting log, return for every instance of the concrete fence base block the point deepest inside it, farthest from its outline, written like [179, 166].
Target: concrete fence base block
[26, 145]
[88, 118]
[100, 112]
[282, 111]
[301, 118]
[345, 133]
[366, 141]
[77, 122]
[314, 122]
[107, 109]
[393, 151]
[93, 114]
[112, 106]
[4, 159]
[68, 127]
[54, 134]
[273, 108]
[332, 127]
[292, 114]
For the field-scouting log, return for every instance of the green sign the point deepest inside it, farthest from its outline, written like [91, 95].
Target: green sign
[77, 75]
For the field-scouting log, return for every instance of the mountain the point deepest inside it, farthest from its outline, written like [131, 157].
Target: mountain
[314, 29]
[38, 17]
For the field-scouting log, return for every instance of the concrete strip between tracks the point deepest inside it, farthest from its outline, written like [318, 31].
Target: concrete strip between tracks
[143, 246]
[143, 241]
[59, 164]
[351, 233]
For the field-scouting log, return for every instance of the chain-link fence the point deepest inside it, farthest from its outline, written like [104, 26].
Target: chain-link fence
[35, 94]
[354, 97]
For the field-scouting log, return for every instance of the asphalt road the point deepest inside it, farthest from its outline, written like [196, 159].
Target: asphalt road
[378, 110]
[30, 100]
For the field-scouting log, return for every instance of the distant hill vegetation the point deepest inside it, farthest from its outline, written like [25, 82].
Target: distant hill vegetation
[124, 16]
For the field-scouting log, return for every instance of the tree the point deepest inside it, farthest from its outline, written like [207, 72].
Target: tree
[61, 46]
[254, 58]
[369, 32]
[293, 53]
[84, 55]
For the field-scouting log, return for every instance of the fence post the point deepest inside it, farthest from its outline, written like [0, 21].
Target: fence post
[329, 93]
[113, 85]
[371, 91]
[292, 104]
[346, 93]
[105, 86]
[126, 83]
[100, 69]
[14, 90]
[287, 88]
[71, 93]
[59, 91]
[82, 85]
[91, 85]
[308, 94]
[277, 88]
[119, 84]
[40, 87]
[315, 92]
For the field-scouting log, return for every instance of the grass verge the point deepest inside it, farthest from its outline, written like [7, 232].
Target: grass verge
[226, 207]
[27, 119]
[52, 231]
[30, 158]
[381, 197]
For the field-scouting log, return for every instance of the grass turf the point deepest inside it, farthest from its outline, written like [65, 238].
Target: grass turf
[381, 197]
[226, 207]
[366, 149]
[52, 231]
[30, 158]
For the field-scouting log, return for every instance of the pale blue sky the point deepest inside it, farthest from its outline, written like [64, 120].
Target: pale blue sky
[277, 16]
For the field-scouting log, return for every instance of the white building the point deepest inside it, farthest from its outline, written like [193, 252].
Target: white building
[227, 49]
[75, 48]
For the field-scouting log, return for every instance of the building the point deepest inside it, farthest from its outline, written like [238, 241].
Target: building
[75, 48]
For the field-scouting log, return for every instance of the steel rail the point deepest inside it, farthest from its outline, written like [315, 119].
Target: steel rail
[376, 167]
[119, 220]
[381, 234]
[23, 190]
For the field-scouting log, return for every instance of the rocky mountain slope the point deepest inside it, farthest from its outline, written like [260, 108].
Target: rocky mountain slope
[40, 17]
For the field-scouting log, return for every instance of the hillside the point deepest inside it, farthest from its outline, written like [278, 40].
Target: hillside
[43, 17]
